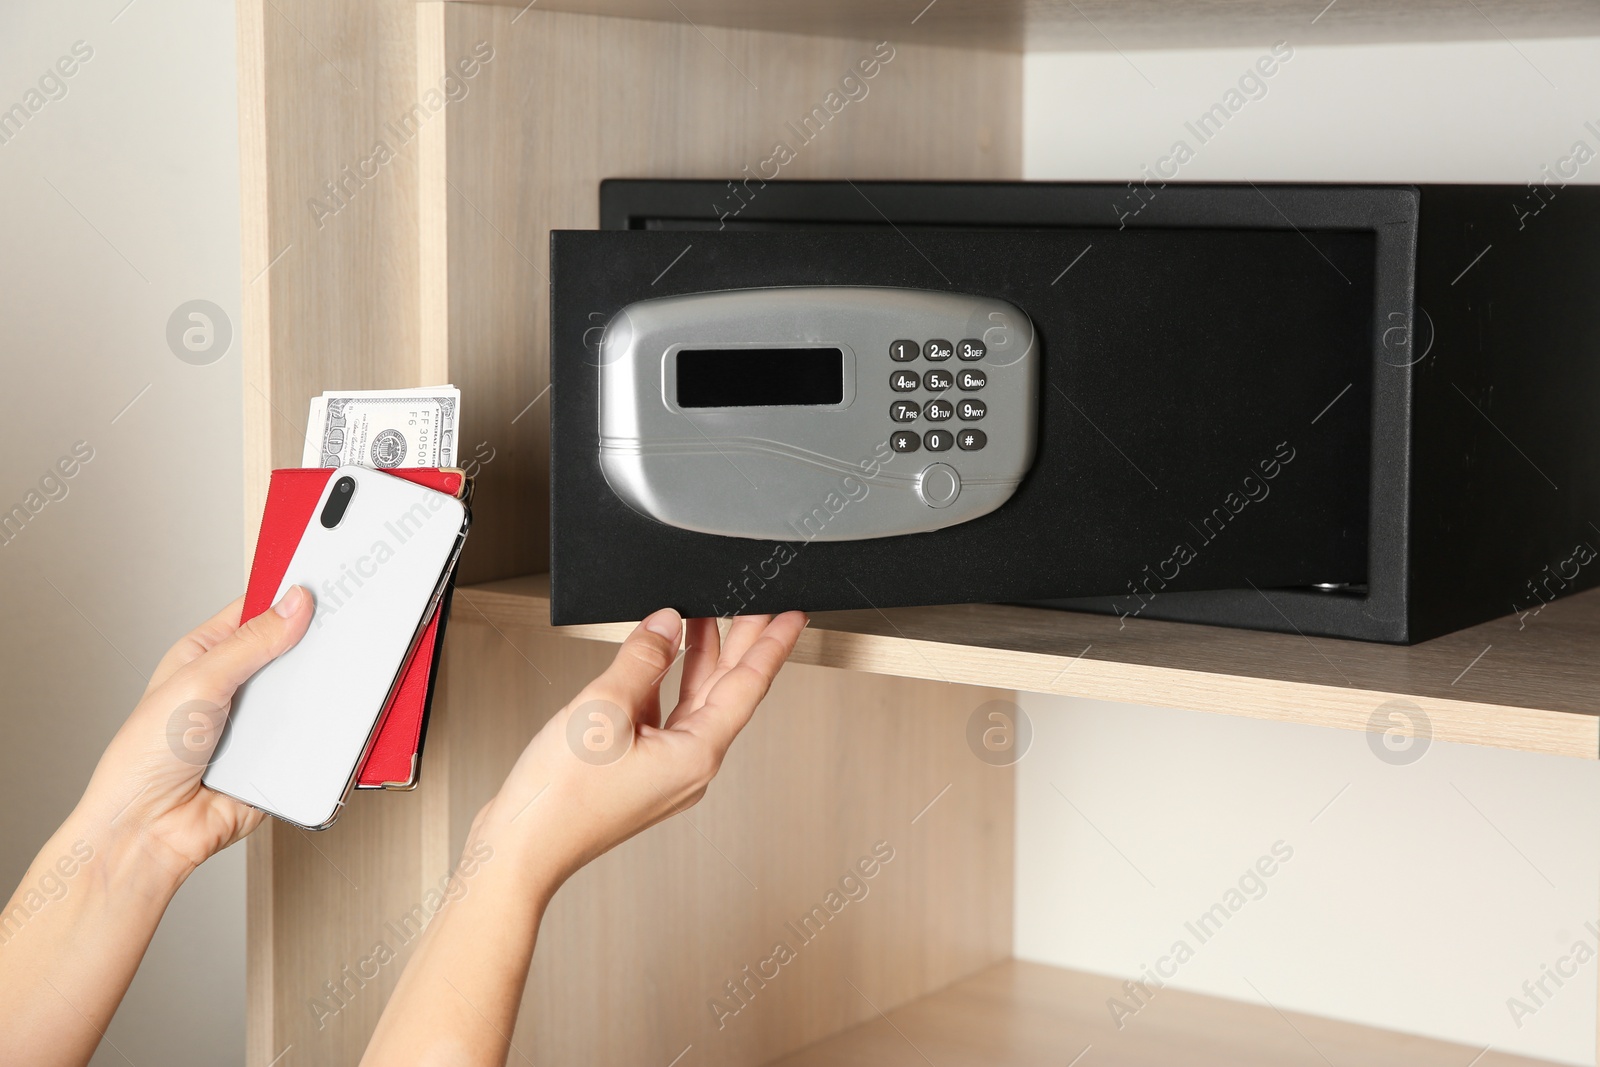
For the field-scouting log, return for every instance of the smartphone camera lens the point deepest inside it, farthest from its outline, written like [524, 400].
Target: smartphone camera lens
[338, 502]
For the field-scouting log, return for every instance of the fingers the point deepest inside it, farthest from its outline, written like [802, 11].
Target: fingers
[633, 681]
[197, 642]
[734, 697]
[215, 674]
[702, 649]
[744, 632]
[723, 656]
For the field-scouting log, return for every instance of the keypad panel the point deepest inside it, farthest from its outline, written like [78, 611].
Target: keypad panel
[936, 410]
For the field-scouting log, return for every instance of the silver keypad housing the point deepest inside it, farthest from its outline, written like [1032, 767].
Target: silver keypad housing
[827, 473]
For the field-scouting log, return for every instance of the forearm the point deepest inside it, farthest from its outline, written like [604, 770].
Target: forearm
[457, 1001]
[73, 934]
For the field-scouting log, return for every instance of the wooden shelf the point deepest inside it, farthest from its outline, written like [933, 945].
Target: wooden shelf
[1044, 25]
[1025, 1013]
[1528, 685]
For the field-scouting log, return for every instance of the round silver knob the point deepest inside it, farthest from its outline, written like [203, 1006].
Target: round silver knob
[938, 485]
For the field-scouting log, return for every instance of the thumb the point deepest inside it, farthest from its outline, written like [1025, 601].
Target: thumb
[215, 675]
[633, 681]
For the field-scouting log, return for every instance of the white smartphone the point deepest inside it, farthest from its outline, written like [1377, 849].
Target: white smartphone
[375, 558]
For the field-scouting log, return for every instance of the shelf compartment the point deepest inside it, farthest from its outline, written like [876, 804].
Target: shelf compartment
[1515, 683]
[1017, 1013]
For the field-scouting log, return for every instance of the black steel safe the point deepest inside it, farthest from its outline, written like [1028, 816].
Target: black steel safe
[1355, 411]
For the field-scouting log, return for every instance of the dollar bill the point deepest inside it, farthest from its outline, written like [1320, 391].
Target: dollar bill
[383, 428]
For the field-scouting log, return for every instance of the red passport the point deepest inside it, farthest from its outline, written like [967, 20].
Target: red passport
[395, 758]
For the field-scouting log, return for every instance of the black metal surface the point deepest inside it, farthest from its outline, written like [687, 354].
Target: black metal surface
[1484, 378]
[1177, 366]
[1506, 511]
[1377, 612]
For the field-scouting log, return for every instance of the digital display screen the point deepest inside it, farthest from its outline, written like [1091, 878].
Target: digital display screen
[760, 377]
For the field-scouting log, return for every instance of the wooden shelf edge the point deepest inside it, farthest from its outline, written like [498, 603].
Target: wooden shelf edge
[1020, 26]
[1017, 1013]
[1210, 669]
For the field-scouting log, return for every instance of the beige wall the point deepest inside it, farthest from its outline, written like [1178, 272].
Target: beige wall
[119, 202]
[1426, 894]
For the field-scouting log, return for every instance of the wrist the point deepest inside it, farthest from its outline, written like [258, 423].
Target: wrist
[523, 844]
[120, 851]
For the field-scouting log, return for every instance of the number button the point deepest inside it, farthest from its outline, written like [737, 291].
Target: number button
[903, 381]
[904, 351]
[972, 350]
[971, 440]
[939, 410]
[938, 350]
[903, 411]
[938, 381]
[938, 440]
[905, 441]
[971, 379]
[973, 410]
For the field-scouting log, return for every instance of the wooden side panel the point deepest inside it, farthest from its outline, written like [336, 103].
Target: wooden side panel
[330, 212]
[568, 100]
[330, 275]
[640, 946]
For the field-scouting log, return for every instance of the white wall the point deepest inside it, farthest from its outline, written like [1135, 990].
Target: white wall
[1428, 892]
[119, 202]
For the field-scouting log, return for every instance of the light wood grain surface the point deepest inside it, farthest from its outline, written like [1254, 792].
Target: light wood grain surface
[330, 245]
[1044, 25]
[569, 100]
[1017, 1014]
[638, 944]
[1522, 684]
[431, 269]
[329, 301]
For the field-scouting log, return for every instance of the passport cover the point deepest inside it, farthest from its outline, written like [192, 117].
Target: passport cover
[395, 758]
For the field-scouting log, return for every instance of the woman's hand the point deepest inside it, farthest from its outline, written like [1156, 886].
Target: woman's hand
[603, 768]
[607, 766]
[148, 780]
[84, 913]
